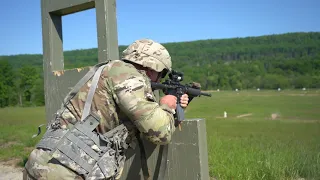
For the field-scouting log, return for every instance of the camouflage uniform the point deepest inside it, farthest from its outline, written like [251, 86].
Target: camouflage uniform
[123, 96]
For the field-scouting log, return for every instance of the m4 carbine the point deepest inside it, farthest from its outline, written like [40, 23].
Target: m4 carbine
[172, 86]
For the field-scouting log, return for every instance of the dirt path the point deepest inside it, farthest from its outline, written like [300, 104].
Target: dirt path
[10, 172]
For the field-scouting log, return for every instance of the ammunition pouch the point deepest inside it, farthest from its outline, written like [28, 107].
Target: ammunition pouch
[90, 154]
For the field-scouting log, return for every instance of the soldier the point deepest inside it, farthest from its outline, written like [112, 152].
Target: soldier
[71, 149]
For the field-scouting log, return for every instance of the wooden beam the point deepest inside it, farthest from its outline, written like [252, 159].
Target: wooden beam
[65, 7]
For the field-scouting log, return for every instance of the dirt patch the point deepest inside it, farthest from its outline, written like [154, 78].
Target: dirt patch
[275, 116]
[9, 170]
[11, 162]
[244, 115]
[8, 144]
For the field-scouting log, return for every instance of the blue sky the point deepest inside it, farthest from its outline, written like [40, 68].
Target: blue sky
[162, 21]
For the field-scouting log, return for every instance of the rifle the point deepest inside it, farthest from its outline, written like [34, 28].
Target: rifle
[172, 86]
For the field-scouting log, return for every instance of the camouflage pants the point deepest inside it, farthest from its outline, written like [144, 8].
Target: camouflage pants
[40, 166]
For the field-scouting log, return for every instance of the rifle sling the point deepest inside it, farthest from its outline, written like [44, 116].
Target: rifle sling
[163, 166]
[143, 158]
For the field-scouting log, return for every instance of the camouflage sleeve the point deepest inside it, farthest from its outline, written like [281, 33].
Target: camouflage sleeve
[135, 98]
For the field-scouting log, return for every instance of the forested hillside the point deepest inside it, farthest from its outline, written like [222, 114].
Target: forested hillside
[289, 60]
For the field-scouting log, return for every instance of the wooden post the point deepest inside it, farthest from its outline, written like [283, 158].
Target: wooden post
[57, 80]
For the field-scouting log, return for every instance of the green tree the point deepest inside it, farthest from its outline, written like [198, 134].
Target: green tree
[303, 82]
[270, 61]
[27, 80]
[38, 93]
[6, 82]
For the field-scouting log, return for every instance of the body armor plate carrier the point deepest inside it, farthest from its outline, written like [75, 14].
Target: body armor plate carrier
[93, 155]
[80, 148]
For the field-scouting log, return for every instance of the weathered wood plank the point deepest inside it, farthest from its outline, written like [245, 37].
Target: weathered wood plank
[107, 30]
[65, 7]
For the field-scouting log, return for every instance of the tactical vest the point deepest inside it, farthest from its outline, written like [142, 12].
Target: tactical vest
[85, 151]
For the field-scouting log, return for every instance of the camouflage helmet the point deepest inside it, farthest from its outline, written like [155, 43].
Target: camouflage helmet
[148, 53]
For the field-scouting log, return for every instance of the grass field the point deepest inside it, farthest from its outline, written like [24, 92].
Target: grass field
[248, 144]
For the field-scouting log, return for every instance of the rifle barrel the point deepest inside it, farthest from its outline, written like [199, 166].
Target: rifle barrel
[158, 85]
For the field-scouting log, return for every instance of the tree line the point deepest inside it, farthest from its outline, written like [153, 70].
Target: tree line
[290, 60]
[20, 87]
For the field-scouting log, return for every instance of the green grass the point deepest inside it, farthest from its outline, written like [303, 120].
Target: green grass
[17, 125]
[251, 147]
[256, 147]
